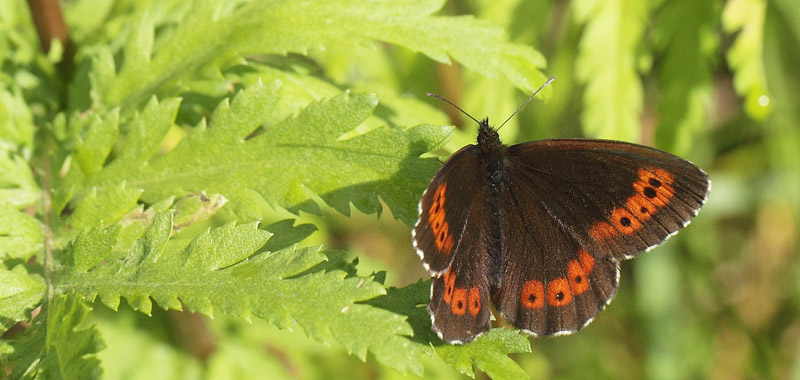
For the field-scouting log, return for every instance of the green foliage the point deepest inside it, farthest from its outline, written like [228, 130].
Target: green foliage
[191, 194]
[21, 234]
[608, 64]
[57, 348]
[19, 292]
[686, 37]
[745, 56]
[305, 154]
[489, 353]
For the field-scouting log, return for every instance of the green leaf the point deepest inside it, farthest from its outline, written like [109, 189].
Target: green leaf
[17, 186]
[103, 207]
[91, 247]
[488, 353]
[220, 270]
[20, 234]
[476, 44]
[16, 120]
[688, 33]
[194, 208]
[19, 292]
[91, 154]
[285, 164]
[285, 234]
[408, 301]
[746, 54]
[58, 348]
[607, 64]
[212, 35]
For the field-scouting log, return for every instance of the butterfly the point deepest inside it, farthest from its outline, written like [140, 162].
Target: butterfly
[538, 229]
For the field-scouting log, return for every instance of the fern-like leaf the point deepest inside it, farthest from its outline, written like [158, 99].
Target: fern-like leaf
[19, 293]
[489, 353]
[212, 35]
[57, 347]
[746, 55]
[20, 234]
[284, 165]
[688, 33]
[607, 63]
[221, 270]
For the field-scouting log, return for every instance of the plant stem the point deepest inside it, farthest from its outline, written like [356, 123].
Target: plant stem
[50, 25]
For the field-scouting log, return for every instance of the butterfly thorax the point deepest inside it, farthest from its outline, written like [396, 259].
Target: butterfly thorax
[492, 151]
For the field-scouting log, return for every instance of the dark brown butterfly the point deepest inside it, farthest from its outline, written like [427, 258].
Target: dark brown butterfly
[539, 228]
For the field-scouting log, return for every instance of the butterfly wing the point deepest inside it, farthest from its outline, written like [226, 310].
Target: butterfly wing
[458, 199]
[615, 198]
[570, 210]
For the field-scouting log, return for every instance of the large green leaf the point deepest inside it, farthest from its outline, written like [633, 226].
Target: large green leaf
[221, 270]
[212, 35]
[285, 164]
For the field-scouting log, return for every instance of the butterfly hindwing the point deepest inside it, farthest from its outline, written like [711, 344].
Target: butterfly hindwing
[453, 238]
[550, 285]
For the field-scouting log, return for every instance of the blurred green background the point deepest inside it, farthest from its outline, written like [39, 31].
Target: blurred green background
[716, 82]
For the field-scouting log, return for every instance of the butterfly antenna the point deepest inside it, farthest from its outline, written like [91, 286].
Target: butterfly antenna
[526, 101]
[432, 95]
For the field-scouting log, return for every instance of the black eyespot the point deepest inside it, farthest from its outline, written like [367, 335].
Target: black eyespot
[560, 296]
[531, 298]
[578, 279]
[649, 192]
[625, 221]
[654, 182]
[644, 210]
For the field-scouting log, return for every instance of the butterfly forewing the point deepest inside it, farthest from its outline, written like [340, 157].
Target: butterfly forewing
[615, 198]
[456, 202]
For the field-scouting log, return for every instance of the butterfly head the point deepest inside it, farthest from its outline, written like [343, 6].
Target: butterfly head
[487, 136]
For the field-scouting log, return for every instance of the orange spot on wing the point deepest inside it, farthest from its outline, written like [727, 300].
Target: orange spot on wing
[624, 221]
[658, 196]
[640, 206]
[558, 293]
[653, 191]
[587, 261]
[532, 295]
[664, 175]
[578, 280]
[437, 221]
[459, 303]
[449, 286]
[659, 180]
[474, 300]
[448, 245]
[602, 230]
[441, 237]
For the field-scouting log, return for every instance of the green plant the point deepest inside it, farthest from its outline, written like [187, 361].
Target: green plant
[177, 152]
